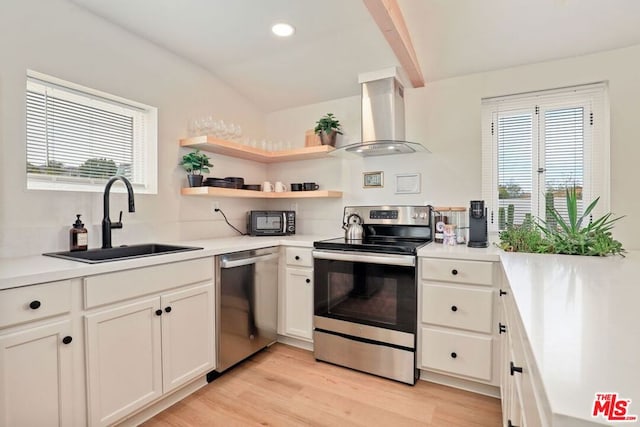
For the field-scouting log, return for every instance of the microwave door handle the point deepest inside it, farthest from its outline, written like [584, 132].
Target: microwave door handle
[284, 222]
[225, 263]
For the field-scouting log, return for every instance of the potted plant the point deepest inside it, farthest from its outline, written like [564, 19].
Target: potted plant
[195, 163]
[327, 128]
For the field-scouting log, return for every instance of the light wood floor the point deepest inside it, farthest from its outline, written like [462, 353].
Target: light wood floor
[285, 386]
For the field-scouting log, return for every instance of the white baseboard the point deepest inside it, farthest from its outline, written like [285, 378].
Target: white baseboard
[472, 386]
[295, 342]
[159, 406]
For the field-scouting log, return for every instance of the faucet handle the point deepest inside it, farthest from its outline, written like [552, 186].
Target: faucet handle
[117, 224]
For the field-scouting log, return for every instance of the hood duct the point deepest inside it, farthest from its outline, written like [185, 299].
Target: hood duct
[382, 118]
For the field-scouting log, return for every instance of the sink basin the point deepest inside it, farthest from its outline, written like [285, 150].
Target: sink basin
[93, 256]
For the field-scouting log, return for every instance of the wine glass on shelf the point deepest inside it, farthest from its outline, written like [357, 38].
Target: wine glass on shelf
[237, 132]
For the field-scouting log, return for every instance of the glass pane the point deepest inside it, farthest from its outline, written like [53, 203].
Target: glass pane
[515, 158]
[563, 157]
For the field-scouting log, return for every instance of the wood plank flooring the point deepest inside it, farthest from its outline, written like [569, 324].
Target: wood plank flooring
[285, 386]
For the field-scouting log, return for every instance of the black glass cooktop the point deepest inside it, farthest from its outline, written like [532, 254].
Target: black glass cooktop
[377, 244]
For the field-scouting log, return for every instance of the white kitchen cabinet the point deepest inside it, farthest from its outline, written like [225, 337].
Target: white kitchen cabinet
[141, 349]
[123, 359]
[457, 332]
[520, 386]
[36, 376]
[187, 335]
[36, 356]
[298, 318]
[295, 311]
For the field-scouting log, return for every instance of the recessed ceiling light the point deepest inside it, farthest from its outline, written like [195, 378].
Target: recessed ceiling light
[283, 30]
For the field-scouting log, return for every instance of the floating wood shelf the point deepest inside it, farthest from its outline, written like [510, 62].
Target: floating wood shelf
[231, 192]
[233, 149]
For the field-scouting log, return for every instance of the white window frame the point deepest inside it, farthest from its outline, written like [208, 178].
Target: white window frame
[145, 148]
[594, 97]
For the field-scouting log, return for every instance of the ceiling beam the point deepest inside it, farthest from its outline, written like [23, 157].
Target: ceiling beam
[389, 18]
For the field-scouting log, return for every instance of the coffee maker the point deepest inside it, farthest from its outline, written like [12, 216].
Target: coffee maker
[478, 225]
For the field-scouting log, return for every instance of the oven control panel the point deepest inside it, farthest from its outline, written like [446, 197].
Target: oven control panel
[391, 215]
[378, 214]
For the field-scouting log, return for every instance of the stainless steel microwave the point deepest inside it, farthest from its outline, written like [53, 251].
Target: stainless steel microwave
[271, 223]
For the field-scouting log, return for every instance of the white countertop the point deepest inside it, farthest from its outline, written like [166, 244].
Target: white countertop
[582, 320]
[29, 270]
[438, 250]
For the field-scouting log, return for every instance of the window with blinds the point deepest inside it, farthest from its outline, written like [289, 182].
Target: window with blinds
[77, 138]
[537, 145]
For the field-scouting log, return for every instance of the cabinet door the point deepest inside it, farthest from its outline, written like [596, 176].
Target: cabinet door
[123, 360]
[36, 376]
[298, 315]
[187, 335]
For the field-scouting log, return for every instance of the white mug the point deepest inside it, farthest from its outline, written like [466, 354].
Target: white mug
[267, 187]
[280, 187]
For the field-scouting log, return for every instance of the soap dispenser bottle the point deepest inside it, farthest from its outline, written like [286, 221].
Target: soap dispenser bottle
[78, 236]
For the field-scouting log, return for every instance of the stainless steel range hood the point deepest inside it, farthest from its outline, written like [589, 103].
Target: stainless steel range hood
[382, 117]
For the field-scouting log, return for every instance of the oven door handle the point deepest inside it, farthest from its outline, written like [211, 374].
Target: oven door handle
[225, 263]
[349, 256]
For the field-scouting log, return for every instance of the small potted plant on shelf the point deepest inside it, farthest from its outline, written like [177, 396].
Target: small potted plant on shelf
[327, 129]
[195, 163]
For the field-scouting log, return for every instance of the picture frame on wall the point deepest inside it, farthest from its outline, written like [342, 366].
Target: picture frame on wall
[373, 179]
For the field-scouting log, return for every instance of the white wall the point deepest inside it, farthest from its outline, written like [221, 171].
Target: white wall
[58, 38]
[445, 117]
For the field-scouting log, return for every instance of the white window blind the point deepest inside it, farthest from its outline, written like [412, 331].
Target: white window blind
[77, 138]
[536, 145]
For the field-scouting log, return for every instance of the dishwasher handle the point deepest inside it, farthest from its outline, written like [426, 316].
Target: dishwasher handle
[226, 263]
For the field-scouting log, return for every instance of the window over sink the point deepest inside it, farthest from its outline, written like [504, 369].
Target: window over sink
[77, 137]
[536, 145]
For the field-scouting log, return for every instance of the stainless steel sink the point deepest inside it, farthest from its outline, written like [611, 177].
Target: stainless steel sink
[94, 256]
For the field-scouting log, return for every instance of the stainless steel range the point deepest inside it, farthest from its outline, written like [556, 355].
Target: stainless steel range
[365, 291]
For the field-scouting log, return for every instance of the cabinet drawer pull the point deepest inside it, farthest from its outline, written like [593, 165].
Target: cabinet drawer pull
[454, 355]
[308, 280]
[34, 305]
[297, 257]
[454, 272]
[502, 328]
[513, 368]
[167, 309]
[158, 312]
[502, 292]
[67, 340]
[454, 308]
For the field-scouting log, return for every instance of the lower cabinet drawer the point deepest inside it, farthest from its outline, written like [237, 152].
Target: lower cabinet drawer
[456, 353]
[30, 303]
[300, 257]
[458, 307]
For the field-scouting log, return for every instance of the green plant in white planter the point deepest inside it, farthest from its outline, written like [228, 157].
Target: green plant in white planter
[327, 129]
[195, 163]
[574, 235]
[580, 235]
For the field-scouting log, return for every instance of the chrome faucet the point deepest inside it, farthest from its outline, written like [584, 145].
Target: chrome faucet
[107, 225]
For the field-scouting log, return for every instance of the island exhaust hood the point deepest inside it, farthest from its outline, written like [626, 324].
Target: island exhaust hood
[382, 117]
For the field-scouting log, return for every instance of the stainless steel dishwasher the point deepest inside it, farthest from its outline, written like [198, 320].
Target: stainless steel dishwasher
[246, 304]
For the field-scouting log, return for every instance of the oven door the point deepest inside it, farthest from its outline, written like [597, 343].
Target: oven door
[377, 290]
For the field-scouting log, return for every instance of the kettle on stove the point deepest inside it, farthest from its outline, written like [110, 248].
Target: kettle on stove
[353, 227]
